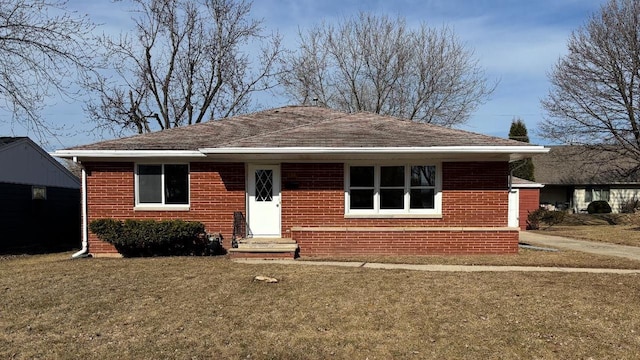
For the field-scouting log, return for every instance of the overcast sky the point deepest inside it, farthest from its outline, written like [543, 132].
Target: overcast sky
[516, 41]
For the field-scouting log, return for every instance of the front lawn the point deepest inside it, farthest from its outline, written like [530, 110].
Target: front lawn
[560, 258]
[209, 308]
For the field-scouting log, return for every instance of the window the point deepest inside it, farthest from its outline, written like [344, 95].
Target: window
[596, 193]
[392, 189]
[423, 187]
[38, 192]
[166, 184]
[362, 188]
[264, 185]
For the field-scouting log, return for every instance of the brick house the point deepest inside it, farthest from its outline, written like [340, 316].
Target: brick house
[576, 175]
[328, 182]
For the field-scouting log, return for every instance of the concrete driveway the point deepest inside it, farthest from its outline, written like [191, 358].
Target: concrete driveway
[599, 248]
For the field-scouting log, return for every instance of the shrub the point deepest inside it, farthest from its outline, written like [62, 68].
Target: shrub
[630, 206]
[153, 238]
[599, 207]
[539, 216]
[108, 230]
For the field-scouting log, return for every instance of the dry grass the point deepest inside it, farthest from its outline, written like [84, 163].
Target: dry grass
[616, 234]
[562, 258]
[201, 308]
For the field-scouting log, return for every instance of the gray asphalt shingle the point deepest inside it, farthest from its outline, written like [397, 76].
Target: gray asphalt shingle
[302, 126]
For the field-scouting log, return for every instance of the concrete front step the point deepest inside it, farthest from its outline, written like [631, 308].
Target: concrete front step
[266, 240]
[267, 248]
[262, 255]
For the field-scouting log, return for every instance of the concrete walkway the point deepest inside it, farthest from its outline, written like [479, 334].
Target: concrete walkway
[436, 268]
[598, 248]
[548, 241]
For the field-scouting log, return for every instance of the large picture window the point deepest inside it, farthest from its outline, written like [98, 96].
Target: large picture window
[392, 189]
[596, 193]
[162, 184]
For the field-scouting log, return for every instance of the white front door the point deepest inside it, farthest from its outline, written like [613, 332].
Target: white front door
[264, 200]
[514, 208]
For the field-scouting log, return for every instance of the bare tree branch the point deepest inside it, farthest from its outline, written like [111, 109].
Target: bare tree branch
[185, 65]
[44, 50]
[594, 95]
[378, 64]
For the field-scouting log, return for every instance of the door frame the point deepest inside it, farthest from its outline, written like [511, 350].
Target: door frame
[277, 196]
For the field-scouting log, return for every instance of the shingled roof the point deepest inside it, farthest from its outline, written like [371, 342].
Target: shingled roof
[302, 127]
[580, 165]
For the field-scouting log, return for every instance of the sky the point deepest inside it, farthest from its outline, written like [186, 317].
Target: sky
[517, 42]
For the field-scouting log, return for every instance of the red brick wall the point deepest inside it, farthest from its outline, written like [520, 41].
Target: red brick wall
[529, 202]
[358, 242]
[475, 176]
[217, 190]
[474, 194]
[317, 197]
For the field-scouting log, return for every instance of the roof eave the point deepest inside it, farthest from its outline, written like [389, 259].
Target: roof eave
[528, 186]
[124, 154]
[510, 152]
[523, 150]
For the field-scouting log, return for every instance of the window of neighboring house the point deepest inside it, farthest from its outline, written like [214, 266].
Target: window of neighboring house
[596, 193]
[38, 192]
[162, 184]
[393, 189]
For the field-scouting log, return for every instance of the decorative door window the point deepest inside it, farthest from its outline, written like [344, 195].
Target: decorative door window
[264, 185]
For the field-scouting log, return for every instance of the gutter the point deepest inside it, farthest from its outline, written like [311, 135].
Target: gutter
[84, 252]
[204, 152]
[529, 150]
[106, 154]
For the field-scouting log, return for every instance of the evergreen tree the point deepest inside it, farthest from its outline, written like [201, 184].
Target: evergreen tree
[518, 132]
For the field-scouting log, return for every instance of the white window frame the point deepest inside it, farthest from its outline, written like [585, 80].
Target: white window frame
[161, 206]
[406, 211]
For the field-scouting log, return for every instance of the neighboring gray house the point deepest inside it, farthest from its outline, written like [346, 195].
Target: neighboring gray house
[575, 175]
[39, 198]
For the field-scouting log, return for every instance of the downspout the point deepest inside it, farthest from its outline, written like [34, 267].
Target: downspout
[84, 252]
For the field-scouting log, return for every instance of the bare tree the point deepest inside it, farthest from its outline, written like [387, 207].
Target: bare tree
[44, 47]
[378, 64]
[595, 91]
[185, 64]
